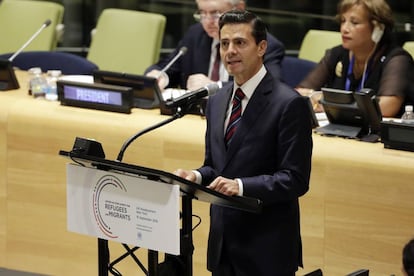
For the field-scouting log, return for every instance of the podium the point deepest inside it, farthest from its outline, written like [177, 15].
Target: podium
[188, 191]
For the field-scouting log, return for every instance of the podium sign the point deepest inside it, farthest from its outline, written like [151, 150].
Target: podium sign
[124, 208]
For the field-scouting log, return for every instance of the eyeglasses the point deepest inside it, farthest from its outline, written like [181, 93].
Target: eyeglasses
[200, 16]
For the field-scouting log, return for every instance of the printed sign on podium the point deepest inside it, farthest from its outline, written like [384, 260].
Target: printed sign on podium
[124, 208]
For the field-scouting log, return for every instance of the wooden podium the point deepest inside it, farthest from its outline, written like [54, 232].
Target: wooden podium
[188, 191]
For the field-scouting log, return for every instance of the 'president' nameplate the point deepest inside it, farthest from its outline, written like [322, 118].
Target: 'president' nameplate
[95, 96]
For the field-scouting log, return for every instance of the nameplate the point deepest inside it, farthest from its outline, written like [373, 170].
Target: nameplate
[95, 96]
[123, 208]
[397, 135]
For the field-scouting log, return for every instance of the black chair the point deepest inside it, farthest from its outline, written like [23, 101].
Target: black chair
[294, 70]
[317, 272]
[360, 272]
[69, 64]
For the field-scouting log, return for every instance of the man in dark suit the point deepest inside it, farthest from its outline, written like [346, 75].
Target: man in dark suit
[267, 156]
[195, 68]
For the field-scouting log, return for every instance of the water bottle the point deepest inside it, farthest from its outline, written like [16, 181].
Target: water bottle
[32, 73]
[51, 91]
[408, 116]
[37, 83]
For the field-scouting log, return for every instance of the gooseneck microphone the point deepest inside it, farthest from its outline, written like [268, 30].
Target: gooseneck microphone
[181, 102]
[44, 25]
[9, 80]
[191, 97]
[180, 53]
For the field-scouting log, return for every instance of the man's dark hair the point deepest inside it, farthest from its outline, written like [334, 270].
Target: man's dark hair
[238, 17]
[408, 258]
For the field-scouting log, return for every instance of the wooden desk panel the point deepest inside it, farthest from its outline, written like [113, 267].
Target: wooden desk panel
[7, 101]
[362, 199]
[357, 214]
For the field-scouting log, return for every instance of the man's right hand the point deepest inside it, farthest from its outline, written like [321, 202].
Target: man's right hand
[186, 174]
[197, 81]
[162, 78]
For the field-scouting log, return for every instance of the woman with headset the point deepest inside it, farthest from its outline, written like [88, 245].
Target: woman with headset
[367, 57]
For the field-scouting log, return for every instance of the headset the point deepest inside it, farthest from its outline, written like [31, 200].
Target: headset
[378, 31]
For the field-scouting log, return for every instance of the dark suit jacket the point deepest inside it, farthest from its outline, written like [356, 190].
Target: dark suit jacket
[197, 58]
[271, 153]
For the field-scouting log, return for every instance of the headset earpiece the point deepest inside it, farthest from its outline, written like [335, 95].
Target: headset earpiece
[377, 32]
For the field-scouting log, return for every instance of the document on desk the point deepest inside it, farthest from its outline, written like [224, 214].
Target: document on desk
[322, 119]
[172, 93]
[78, 78]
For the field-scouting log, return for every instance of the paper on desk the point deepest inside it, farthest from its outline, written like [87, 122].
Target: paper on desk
[322, 119]
[171, 93]
[78, 78]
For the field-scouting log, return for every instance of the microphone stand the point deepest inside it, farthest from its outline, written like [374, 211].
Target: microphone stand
[9, 81]
[44, 25]
[180, 113]
[180, 53]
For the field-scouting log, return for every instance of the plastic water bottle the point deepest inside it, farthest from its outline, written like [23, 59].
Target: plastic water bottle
[408, 116]
[32, 74]
[37, 83]
[51, 91]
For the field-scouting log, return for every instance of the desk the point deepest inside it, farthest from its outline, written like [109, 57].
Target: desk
[359, 211]
[357, 214]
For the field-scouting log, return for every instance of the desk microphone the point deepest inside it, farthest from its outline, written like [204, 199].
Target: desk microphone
[9, 80]
[180, 53]
[191, 97]
[44, 25]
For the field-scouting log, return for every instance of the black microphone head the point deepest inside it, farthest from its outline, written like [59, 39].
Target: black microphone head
[47, 22]
[212, 88]
[183, 50]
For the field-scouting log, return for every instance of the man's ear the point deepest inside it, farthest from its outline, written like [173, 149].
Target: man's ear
[262, 47]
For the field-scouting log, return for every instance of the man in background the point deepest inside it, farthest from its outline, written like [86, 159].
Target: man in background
[196, 68]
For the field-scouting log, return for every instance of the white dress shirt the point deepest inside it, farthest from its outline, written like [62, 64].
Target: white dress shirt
[248, 89]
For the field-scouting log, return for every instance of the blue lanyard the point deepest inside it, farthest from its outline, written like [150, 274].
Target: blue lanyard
[350, 67]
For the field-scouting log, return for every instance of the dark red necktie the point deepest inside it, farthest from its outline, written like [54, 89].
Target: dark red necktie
[235, 116]
[215, 73]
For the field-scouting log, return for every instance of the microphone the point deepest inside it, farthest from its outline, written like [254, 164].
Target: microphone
[44, 25]
[185, 99]
[180, 53]
[9, 80]
[190, 97]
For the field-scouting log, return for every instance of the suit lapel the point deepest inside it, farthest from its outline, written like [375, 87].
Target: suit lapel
[257, 104]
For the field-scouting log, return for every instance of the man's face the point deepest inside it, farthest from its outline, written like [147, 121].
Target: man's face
[240, 54]
[210, 11]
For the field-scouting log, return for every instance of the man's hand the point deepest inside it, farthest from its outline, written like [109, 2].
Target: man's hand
[153, 73]
[189, 175]
[197, 81]
[225, 186]
[162, 78]
[314, 96]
